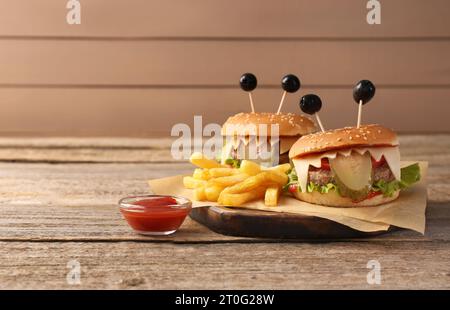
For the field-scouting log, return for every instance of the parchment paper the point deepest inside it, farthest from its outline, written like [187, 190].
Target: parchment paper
[408, 211]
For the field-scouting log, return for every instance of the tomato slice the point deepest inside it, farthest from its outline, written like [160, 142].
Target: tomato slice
[376, 164]
[293, 188]
[370, 195]
[324, 164]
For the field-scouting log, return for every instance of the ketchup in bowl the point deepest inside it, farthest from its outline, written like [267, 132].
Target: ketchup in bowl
[155, 214]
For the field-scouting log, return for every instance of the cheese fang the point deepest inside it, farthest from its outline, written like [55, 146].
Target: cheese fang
[240, 145]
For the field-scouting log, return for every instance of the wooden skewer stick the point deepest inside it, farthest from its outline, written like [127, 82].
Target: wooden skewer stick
[319, 122]
[281, 102]
[251, 101]
[359, 113]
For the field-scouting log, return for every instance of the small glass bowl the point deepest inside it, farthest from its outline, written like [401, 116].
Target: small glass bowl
[155, 214]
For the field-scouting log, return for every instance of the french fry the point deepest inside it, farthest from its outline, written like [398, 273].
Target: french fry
[250, 167]
[247, 185]
[229, 180]
[282, 168]
[235, 186]
[212, 192]
[199, 194]
[222, 172]
[275, 176]
[227, 199]
[201, 161]
[191, 183]
[201, 174]
[262, 178]
[271, 196]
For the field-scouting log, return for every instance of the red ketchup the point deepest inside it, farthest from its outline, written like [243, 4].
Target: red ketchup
[155, 214]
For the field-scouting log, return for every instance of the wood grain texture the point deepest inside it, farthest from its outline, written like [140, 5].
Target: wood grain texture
[72, 201]
[191, 63]
[128, 265]
[143, 112]
[431, 148]
[225, 18]
[85, 219]
[53, 213]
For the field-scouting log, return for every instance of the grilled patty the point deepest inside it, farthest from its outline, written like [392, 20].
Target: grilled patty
[323, 177]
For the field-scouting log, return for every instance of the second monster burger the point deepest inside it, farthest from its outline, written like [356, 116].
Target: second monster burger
[243, 128]
[349, 167]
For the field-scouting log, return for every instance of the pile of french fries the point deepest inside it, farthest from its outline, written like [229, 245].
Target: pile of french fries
[228, 186]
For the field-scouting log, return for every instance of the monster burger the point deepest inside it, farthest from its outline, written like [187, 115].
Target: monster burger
[270, 134]
[349, 167]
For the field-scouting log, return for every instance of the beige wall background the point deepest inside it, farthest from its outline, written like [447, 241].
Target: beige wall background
[136, 67]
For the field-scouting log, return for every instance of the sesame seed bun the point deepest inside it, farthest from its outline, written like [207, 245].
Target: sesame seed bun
[289, 124]
[332, 199]
[342, 138]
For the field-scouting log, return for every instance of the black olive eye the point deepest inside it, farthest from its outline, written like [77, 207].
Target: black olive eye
[310, 104]
[290, 83]
[248, 82]
[363, 91]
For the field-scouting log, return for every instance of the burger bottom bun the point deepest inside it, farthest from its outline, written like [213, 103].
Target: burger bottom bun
[332, 199]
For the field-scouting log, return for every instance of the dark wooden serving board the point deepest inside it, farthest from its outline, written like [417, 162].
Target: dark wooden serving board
[254, 223]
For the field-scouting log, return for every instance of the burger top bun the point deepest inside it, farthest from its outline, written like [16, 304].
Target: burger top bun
[347, 137]
[290, 124]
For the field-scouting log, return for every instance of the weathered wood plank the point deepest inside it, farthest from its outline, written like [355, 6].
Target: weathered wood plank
[58, 222]
[144, 112]
[103, 184]
[86, 142]
[89, 155]
[58, 205]
[90, 223]
[256, 266]
[78, 202]
[226, 18]
[42, 201]
[210, 63]
[431, 148]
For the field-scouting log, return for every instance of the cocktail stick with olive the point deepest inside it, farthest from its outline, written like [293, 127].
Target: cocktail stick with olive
[311, 104]
[362, 93]
[290, 84]
[248, 83]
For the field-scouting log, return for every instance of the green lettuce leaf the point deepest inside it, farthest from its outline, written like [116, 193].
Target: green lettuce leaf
[292, 178]
[409, 176]
[323, 189]
[235, 163]
[386, 188]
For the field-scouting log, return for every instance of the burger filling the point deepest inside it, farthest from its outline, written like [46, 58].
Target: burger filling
[238, 149]
[323, 175]
[356, 176]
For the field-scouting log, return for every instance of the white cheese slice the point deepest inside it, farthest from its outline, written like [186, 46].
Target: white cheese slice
[241, 145]
[285, 144]
[391, 154]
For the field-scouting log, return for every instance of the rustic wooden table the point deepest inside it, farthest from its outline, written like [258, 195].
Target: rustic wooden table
[58, 203]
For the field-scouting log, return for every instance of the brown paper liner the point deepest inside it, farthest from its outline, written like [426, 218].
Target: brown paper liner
[408, 211]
